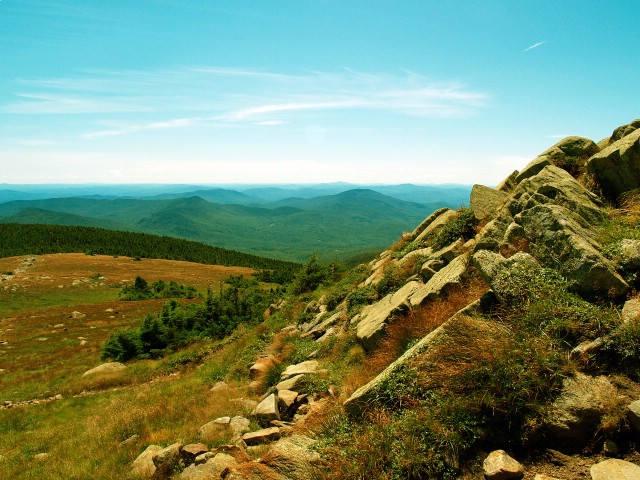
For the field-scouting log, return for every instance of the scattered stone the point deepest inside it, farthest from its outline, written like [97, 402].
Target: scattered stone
[203, 458]
[615, 469]
[110, 367]
[286, 399]
[236, 451]
[575, 415]
[289, 384]
[77, 315]
[215, 428]
[293, 457]
[629, 256]
[630, 311]
[41, 456]
[265, 435]
[500, 466]
[59, 325]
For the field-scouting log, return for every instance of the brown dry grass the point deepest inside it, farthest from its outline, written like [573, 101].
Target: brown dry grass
[416, 324]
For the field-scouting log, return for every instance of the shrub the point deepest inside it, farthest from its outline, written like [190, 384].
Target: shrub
[460, 226]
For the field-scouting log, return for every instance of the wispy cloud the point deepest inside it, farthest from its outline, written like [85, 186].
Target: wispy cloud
[535, 45]
[139, 101]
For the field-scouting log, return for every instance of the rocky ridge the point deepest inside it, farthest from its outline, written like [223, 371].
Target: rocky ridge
[541, 221]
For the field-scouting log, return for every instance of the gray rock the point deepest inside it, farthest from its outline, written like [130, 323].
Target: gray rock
[289, 384]
[437, 223]
[428, 221]
[629, 256]
[267, 410]
[570, 154]
[617, 167]
[238, 426]
[286, 399]
[214, 429]
[442, 280]
[293, 457]
[587, 348]
[500, 466]
[203, 458]
[213, 468]
[372, 320]
[166, 461]
[509, 183]
[576, 414]
[309, 366]
[485, 201]
[560, 240]
[614, 469]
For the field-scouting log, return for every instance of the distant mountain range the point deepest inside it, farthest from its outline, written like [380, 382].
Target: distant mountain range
[336, 221]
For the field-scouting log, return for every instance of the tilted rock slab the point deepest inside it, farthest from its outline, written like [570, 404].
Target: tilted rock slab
[441, 280]
[309, 366]
[428, 221]
[258, 437]
[617, 167]
[366, 394]
[267, 410]
[143, 466]
[293, 457]
[213, 468]
[372, 320]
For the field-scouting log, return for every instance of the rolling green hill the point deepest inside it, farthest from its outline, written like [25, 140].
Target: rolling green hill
[337, 226]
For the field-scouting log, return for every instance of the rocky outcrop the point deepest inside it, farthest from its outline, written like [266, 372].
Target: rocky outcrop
[441, 280]
[617, 167]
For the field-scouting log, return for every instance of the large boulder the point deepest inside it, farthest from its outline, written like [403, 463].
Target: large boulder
[575, 416]
[484, 201]
[617, 167]
[267, 410]
[561, 240]
[615, 469]
[623, 131]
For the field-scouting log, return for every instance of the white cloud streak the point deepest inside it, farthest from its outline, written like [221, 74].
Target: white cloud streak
[535, 45]
[139, 101]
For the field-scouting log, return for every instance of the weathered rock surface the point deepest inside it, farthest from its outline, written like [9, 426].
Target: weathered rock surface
[428, 221]
[445, 278]
[293, 457]
[372, 320]
[191, 451]
[617, 167]
[630, 311]
[110, 367]
[485, 201]
[615, 469]
[500, 466]
[166, 461]
[309, 366]
[633, 414]
[629, 256]
[437, 223]
[267, 410]
[212, 469]
[290, 383]
[576, 414]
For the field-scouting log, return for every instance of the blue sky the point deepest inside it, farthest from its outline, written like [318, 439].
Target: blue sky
[212, 92]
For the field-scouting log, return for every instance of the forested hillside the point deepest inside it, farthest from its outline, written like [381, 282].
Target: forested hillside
[18, 239]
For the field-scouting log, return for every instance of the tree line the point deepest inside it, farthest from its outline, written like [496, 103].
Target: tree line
[21, 239]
